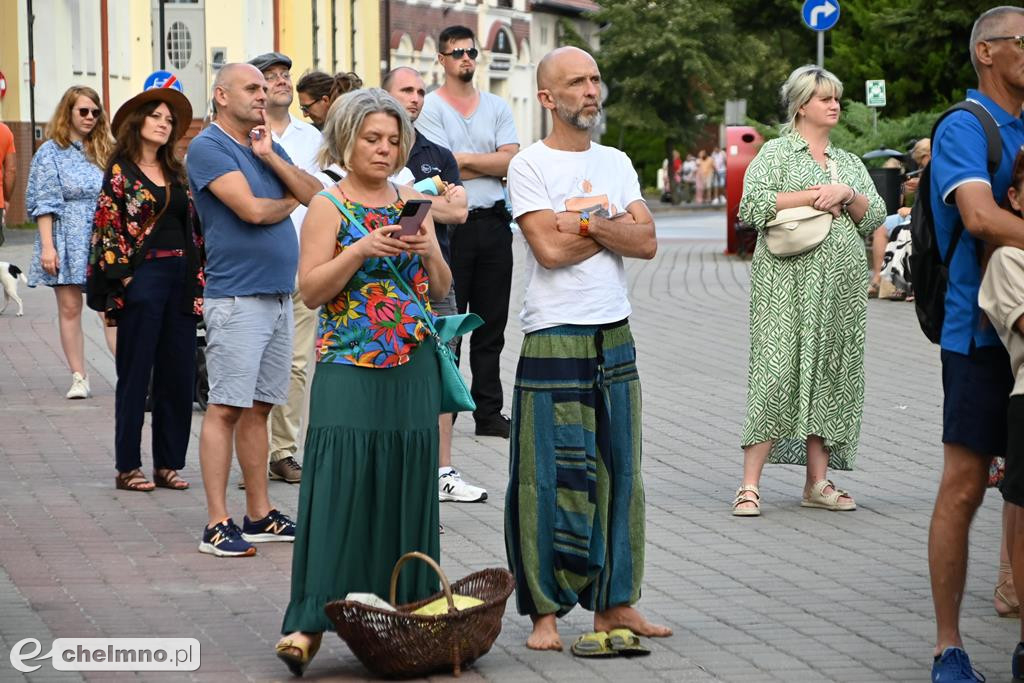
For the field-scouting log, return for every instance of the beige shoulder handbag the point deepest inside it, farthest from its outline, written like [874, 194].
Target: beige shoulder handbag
[800, 229]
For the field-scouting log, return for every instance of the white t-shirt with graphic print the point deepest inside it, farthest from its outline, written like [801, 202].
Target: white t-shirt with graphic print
[593, 291]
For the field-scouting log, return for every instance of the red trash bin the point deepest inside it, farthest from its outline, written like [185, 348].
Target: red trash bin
[741, 145]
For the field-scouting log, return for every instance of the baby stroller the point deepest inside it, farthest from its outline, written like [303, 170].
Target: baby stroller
[896, 262]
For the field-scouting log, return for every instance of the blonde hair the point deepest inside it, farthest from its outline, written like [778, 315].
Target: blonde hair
[803, 84]
[345, 119]
[99, 143]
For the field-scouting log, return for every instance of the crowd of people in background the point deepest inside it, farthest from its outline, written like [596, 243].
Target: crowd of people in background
[697, 179]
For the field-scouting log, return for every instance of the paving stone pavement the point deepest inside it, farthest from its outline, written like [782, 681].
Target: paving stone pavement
[796, 595]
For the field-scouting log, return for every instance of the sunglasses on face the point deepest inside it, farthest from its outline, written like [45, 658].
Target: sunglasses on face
[459, 52]
[304, 108]
[86, 111]
[1018, 39]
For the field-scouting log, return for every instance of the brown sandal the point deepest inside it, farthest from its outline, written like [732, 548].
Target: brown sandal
[170, 480]
[134, 480]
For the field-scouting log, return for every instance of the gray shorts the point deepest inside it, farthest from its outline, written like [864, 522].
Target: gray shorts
[447, 306]
[248, 348]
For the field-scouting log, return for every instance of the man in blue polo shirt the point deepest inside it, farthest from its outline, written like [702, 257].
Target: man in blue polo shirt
[976, 378]
[245, 189]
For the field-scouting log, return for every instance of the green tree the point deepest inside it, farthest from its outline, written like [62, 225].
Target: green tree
[659, 58]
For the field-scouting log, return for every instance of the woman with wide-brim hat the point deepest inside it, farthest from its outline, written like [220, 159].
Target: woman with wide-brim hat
[146, 274]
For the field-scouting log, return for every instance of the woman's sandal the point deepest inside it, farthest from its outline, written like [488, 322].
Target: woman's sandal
[1005, 607]
[817, 498]
[741, 498]
[594, 644]
[169, 479]
[134, 480]
[626, 643]
[297, 663]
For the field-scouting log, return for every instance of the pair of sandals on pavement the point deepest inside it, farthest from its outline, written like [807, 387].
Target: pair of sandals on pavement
[816, 498]
[619, 642]
[135, 480]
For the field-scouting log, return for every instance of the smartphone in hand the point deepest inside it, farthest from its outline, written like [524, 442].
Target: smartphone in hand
[413, 214]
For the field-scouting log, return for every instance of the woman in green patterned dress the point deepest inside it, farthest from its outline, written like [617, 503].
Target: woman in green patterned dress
[805, 390]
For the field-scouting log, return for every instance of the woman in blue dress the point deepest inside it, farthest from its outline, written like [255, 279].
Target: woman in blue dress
[63, 185]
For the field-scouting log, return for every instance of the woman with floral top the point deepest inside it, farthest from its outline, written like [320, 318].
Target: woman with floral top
[369, 491]
[805, 387]
[146, 274]
[63, 182]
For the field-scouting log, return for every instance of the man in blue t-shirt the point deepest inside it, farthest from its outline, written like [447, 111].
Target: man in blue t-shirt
[976, 378]
[245, 188]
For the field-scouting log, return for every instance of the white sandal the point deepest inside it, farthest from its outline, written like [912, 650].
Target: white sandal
[740, 499]
[817, 498]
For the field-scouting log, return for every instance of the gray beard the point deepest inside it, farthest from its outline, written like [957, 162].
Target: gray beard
[576, 119]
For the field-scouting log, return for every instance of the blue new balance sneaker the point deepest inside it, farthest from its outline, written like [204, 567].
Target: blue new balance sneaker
[274, 527]
[225, 540]
[954, 666]
[1017, 663]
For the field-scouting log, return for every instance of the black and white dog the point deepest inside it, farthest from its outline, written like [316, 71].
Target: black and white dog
[9, 276]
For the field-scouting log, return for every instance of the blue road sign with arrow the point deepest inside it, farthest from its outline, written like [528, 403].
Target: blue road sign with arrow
[821, 15]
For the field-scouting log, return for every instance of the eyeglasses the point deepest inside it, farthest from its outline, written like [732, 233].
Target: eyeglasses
[85, 111]
[304, 108]
[459, 52]
[1019, 39]
[275, 76]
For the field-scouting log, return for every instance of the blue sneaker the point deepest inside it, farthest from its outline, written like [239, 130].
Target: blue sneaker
[954, 666]
[274, 527]
[225, 540]
[1017, 663]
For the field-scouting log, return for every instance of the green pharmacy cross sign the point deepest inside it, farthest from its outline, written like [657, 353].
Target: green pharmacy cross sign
[875, 93]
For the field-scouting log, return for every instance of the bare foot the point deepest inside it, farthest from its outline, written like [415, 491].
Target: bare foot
[625, 616]
[545, 633]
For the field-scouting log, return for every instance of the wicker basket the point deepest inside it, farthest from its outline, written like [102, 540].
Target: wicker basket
[401, 644]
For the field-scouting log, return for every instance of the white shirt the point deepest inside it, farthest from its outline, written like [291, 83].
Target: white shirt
[302, 142]
[591, 292]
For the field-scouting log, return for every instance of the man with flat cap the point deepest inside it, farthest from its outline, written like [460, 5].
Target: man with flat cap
[574, 509]
[302, 142]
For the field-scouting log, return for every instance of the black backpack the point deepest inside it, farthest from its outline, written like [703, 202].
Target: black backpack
[929, 269]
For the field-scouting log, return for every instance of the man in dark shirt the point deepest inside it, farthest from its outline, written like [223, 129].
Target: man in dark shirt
[427, 160]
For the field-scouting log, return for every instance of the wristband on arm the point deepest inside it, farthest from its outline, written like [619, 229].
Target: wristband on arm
[584, 223]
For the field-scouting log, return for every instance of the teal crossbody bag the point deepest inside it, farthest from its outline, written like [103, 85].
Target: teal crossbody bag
[455, 395]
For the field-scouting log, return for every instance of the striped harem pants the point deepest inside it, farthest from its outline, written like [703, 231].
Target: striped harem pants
[574, 509]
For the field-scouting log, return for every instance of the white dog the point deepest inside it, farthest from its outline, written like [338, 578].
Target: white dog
[9, 276]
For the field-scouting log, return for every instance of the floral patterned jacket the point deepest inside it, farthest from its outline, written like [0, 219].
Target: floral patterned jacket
[122, 225]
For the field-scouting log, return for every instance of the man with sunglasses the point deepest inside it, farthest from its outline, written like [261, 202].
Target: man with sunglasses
[427, 160]
[976, 376]
[478, 128]
[302, 142]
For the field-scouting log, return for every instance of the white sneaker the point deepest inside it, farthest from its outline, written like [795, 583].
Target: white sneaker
[451, 488]
[79, 386]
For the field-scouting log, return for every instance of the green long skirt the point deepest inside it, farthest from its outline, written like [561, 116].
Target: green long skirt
[369, 487]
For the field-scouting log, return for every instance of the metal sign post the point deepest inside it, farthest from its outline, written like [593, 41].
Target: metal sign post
[820, 16]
